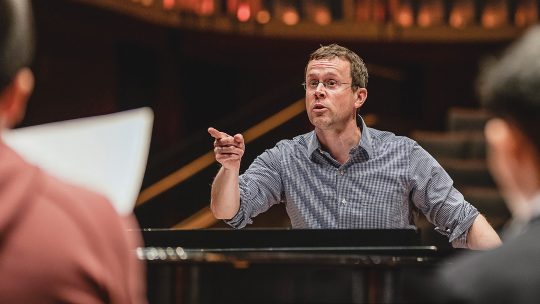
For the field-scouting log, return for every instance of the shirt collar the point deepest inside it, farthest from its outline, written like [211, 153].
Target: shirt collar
[365, 139]
[313, 143]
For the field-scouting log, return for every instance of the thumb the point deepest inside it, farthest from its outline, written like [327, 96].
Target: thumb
[239, 138]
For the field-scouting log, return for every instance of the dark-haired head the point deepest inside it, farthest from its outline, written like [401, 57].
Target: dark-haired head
[16, 39]
[510, 87]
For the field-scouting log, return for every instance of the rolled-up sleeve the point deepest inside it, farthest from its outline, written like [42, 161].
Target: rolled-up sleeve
[260, 187]
[433, 193]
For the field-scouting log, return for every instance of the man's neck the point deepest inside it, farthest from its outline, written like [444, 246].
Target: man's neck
[535, 204]
[339, 142]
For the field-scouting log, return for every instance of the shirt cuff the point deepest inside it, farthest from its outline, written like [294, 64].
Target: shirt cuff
[237, 221]
[461, 241]
[240, 219]
[458, 236]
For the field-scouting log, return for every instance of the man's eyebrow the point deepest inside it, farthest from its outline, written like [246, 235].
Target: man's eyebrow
[323, 74]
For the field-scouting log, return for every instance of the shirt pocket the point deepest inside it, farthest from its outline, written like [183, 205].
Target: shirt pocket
[381, 201]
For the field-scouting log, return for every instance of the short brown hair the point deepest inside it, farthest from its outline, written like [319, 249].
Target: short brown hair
[359, 73]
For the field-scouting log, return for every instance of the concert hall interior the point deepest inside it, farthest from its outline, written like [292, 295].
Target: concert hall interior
[238, 65]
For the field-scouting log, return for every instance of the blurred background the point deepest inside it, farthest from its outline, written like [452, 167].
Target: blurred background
[237, 65]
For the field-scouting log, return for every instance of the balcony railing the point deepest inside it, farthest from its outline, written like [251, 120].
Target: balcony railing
[344, 19]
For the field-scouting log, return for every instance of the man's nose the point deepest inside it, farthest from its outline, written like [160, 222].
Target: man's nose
[319, 92]
[321, 83]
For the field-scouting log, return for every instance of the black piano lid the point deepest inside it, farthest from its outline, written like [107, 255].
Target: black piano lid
[280, 238]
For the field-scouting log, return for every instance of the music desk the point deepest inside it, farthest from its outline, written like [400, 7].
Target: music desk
[283, 266]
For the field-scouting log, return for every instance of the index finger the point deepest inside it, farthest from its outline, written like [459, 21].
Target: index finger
[217, 134]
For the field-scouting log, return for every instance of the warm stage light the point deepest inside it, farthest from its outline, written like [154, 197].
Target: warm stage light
[495, 14]
[263, 17]
[379, 12]
[168, 4]
[244, 12]
[290, 16]
[526, 13]
[405, 16]
[206, 7]
[362, 11]
[322, 15]
[462, 13]
[430, 13]
[457, 20]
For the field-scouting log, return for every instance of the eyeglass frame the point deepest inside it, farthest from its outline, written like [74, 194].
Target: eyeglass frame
[324, 83]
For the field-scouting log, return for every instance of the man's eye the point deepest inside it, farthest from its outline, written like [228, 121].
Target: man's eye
[331, 83]
[313, 83]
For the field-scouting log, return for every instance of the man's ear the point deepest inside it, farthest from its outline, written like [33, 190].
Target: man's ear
[511, 158]
[505, 137]
[498, 134]
[361, 96]
[14, 98]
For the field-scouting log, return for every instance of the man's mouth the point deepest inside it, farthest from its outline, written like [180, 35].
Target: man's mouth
[318, 108]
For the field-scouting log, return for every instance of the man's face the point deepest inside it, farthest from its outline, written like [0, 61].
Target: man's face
[331, 108]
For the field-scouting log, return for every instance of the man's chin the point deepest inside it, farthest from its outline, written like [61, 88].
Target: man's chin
[321, 123]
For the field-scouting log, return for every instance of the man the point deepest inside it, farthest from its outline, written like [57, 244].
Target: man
[58, 243]
[343, 174]
[511, 273]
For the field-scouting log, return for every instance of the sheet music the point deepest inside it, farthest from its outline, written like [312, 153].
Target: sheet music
[106, 154]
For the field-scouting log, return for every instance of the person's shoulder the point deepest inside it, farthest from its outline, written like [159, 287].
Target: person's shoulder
[298, 142]
[383, 138]
[501, 273]
[75, 200]
[524, 248]
[98, 230]
[91, 213]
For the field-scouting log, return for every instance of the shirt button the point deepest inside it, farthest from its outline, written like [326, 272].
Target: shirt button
[343, 201]
[341, 172]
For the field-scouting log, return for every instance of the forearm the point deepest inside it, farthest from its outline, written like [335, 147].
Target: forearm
[481, 235]
[225, 194]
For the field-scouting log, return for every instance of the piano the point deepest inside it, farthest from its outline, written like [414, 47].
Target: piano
[283, 265]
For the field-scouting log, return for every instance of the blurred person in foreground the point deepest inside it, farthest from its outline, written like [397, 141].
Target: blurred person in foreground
[58, 243]
[510, 89]
[343, 175]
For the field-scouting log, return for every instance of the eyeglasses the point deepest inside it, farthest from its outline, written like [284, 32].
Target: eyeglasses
[330, 84]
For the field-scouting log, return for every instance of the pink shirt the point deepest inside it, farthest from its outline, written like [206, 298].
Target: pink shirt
[62, 243]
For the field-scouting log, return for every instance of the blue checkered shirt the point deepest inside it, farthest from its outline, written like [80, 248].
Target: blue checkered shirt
[387, 180]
